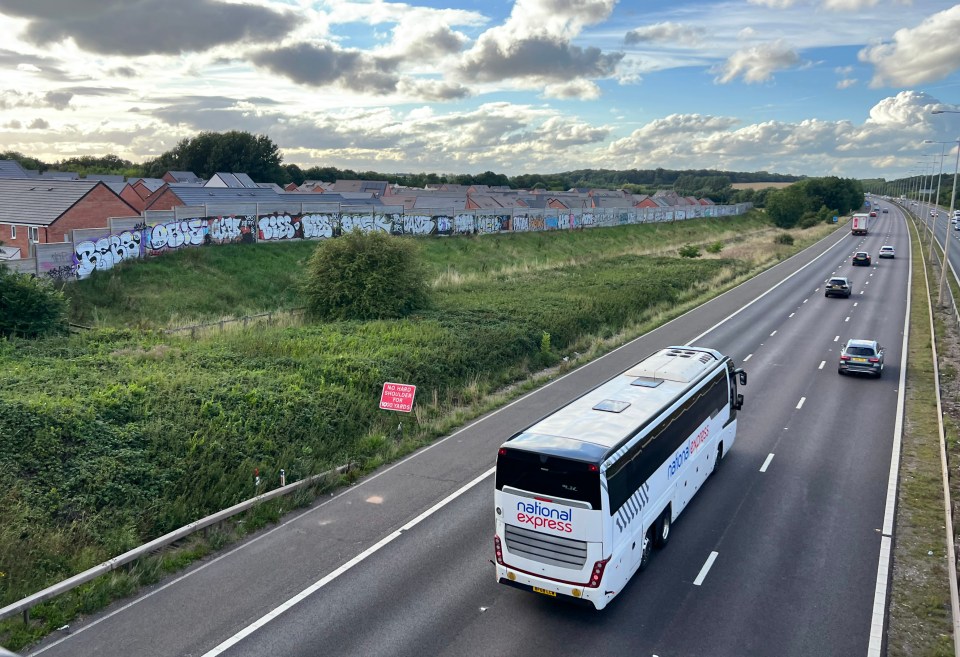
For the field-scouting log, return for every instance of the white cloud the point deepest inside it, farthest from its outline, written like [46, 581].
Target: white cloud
[928, 52]
[578, 89]
[668, 32]
[758, 63]
[846, 83]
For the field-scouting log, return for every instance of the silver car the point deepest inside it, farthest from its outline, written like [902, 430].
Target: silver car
[861, 356]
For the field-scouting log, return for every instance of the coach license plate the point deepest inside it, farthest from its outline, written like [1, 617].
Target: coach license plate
[537, 589]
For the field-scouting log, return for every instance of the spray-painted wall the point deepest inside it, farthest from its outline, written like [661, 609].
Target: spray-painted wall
[132, 238]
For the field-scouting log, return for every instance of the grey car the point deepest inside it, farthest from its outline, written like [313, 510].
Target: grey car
[837, 286]
[861, 356]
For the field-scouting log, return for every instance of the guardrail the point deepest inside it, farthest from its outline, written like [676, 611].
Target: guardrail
[23, 606]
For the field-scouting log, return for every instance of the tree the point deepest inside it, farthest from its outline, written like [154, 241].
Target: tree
[30, 307]
[786, 206]
[365, 276]
[232, 152]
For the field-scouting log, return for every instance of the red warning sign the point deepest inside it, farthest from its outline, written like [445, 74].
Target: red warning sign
[397, 397]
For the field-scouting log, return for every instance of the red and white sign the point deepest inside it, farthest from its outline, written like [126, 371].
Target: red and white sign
[397, 397]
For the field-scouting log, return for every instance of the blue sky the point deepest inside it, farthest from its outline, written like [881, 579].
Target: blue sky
[813, 87]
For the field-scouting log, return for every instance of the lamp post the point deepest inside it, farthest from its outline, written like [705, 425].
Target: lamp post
[937, 198]
[953, 198]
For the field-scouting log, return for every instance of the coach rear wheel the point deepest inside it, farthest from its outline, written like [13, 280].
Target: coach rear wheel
[662, 536]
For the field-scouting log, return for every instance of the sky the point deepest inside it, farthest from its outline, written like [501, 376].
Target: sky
[806, 87]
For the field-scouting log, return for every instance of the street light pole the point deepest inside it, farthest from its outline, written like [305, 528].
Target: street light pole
[953, 198]
[937, 199]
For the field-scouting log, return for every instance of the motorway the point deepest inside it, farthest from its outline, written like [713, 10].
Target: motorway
[778, 555]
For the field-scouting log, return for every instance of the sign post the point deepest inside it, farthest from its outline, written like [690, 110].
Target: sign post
[397, 397]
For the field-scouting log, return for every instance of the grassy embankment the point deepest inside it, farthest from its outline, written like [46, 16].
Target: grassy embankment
[116, 436]
[919, 618]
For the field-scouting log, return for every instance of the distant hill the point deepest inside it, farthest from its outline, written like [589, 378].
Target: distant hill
[761, 185]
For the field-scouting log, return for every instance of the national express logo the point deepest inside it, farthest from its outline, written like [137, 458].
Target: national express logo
[540, 516]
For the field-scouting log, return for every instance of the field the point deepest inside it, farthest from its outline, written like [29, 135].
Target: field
[116, 435]
[761, 185]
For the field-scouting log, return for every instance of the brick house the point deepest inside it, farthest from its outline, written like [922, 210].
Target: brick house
[45, 211]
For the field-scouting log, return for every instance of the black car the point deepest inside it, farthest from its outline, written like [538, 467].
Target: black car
[837, 286]
[861, 258]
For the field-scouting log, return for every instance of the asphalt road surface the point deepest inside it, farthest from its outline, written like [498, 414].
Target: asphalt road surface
[777, 555]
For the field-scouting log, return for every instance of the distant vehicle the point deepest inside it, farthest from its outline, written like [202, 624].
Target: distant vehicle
[582, 496]
[886, 252]
[837, 286]
[934, 213]
[873, 213]
[861, 258]
[859, 224]
[863, 356]
[886, 210]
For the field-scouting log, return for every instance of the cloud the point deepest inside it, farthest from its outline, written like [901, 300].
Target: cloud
[327, 64]
[38, 124]
[535, 43]
[44, 67]
[758, 63]
[574, 89]
[846, 83]
[13, 125]
[928, 52]
[144, 27]
[665, 33]
[58, 99]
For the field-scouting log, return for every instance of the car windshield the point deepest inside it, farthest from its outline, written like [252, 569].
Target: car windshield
[838, 281]
[860, 351]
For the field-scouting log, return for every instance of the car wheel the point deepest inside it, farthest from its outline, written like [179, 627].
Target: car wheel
[840, 372]
[646, 550]
[879, 373]
[662, 535]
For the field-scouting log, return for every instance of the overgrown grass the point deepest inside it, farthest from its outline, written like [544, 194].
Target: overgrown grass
[209, 283]
[113, 437]
[919, 618]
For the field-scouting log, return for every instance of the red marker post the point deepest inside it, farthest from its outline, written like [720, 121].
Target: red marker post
[397, 397]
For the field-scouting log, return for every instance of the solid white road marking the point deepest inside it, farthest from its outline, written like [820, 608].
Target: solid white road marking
[705, 569]
[822, 363]
[319, 584]
[800, 403]
[763, 468]
[747, 358]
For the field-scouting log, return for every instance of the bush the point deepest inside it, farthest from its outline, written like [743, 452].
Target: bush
[30, 307]
[365, 276]
[783, 238]
[689, 251]
[715, 248]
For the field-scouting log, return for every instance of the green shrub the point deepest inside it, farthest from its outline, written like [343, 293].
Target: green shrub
[715, 248]
[365, 276]
[30, 307]
[689, 251]
[783, 238]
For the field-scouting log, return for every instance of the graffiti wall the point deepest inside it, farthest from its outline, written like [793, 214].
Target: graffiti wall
[162, 232]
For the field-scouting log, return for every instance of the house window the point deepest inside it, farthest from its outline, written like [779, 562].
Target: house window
[13, 232]
[33, 234]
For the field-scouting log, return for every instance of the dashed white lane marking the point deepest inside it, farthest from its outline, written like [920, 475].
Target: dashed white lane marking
[800, 403]
[773, 334]
[747, 358]
[706, 569]
[836, 338]
[822, 363]
[855, 305]
[806, 300]
[791, 315]
[763, 468]
[847, 319]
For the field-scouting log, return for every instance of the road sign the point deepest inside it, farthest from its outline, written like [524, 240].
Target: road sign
[836, 219]
[397, 397]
